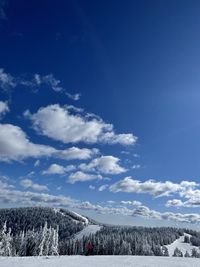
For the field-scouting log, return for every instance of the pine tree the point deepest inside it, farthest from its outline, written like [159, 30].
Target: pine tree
[187, 255]
[5, 241]
[177, 253]
[165, 251]
[43, 240]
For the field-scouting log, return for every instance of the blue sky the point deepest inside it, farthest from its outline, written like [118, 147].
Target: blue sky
[99, 108]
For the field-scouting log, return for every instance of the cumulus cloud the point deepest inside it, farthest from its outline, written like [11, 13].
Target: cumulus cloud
[104, 164]
[29, 184]
[3, 108]
[15, 145]
[80, 176]
[58, 169]
[77, 153]
[63, 124]
[154, 188]
[193, 199]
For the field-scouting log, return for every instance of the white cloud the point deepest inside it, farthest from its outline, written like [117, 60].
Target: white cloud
[58, 169]
[37, 163]
[82, 177]
[174, 203]
[104, 164]
[32, 198]
[7, 81]
[11, 196]
[48, 80]
[103, 187]
[91, 187]
[193, 199]
[59, 123]
[74, 97]
[144, 211]
[151, 187]
[54, 83]
[29, 184]
[15, 145]
[136, 166]
[3, 108]
[77, 153]
[132, 203]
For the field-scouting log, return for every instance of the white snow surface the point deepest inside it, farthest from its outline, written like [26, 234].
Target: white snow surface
[81, 217]
[179, 243]
[90, 229]
[98, 261]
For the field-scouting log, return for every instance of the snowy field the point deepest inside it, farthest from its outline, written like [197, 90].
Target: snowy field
[179, 243]
[99, 261]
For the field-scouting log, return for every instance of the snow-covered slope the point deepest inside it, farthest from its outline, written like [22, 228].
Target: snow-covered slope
[99, 261]
[80, 217]
[183, 247]
[77, 218]
[90, 229]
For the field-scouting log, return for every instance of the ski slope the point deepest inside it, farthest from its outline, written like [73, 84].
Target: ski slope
[90, 229]
[99, 261]
[179, 243]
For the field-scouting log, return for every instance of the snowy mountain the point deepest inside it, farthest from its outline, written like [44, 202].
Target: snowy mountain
[24, 219]
[49, 231]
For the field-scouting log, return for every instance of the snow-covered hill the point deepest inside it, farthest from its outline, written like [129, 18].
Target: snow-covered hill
[99, 261]
[90, 229]
[183, 247]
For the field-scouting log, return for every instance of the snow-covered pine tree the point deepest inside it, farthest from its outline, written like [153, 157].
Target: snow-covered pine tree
[42, 240]
[5, 241]
[53, 241]
[187, 255]
[177, 253]
[165, 251]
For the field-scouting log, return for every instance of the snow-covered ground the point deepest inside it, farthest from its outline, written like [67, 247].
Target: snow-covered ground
[90, 229]
[179, 243]
[99, 261]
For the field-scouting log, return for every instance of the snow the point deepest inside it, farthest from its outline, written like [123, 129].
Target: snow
[90, 229]
[99, 261]
[81, 217]
[78, 216]
[179, 243]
